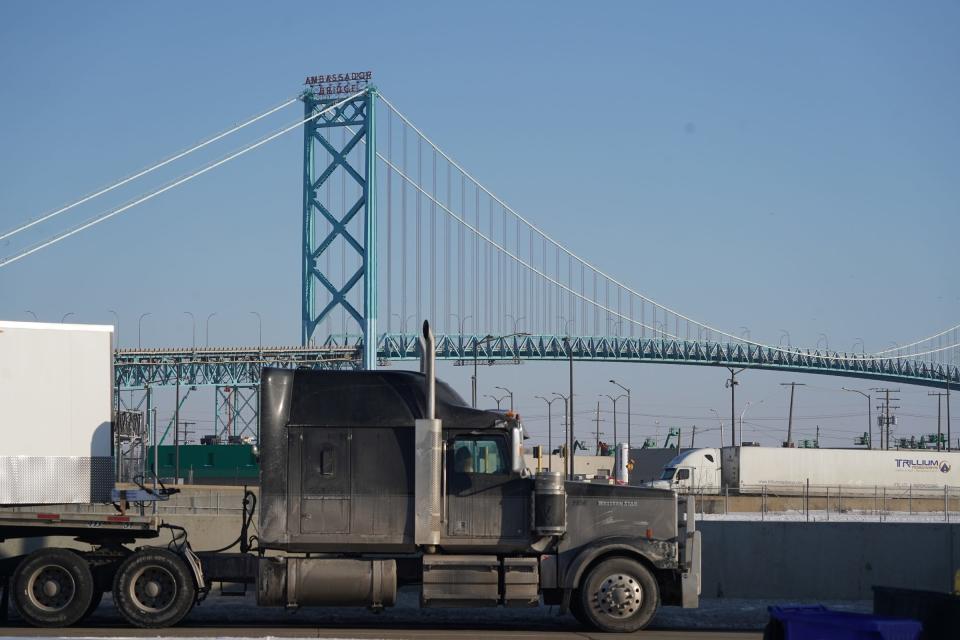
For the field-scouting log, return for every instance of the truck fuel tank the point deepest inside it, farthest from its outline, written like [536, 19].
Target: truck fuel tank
[321, 582]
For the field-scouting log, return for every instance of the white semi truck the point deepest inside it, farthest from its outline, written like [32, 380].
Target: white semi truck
[747, 470]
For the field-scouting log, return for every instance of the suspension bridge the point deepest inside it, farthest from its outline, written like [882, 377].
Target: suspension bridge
[396, 230]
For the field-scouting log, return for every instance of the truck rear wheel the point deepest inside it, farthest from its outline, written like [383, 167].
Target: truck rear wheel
[619, 595]
[53, 588]
[153, 588]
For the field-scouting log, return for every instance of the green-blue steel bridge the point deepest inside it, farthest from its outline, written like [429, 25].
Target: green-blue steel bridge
[396, 231]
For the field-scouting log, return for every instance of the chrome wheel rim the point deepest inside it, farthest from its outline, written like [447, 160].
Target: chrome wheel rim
[153, 588]
[51, 588]
[619, 596]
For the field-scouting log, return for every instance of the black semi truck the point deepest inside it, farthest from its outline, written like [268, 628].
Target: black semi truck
[374, 480]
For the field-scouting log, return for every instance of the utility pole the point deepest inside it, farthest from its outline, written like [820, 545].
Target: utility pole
[939, 397]
[732, 384]
[816, 442]
[793, 387]
[885, 418]
[693, 436]
[598, 420]
[570, 434]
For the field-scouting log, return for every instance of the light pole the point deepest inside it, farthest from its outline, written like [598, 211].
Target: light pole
[139, 327]
[35, 318]
[869, 414]
[460, 323]
[567, 468]
[476, 347]
[614, 401]
[65, 316]
[207, 341]
[509, 393]
[629, 442]
[716, 413]
[516, 321]
[742, 413]
[495, 399]
[117, 318]
[826, 343]
[732, 385]
[193, 329]
[259, 329]
[746, 331]
[863, 346]
[549, 429]
[784, 332]
[403, 321]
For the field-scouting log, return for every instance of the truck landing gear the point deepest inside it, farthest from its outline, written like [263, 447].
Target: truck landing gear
[154, 588]
[53, 588]
[618, 595]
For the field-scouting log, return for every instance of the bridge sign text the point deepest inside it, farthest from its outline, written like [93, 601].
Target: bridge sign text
[339, 83]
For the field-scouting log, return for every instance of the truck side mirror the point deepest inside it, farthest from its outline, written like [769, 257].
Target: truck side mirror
[517, 464]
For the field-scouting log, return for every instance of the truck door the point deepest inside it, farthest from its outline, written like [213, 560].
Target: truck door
[485, 499]
[325, 481]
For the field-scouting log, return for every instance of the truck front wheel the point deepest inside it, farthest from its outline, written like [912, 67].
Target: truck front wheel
[619, 595]
[153, 588]
[53, 588]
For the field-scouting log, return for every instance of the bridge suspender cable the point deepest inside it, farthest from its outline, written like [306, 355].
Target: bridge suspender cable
[150, 169]
[23, 254]
[609, 278]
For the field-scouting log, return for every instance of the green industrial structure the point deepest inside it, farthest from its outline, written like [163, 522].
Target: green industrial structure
[208, 463]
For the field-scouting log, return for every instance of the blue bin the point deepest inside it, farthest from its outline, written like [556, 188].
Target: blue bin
[819, 623]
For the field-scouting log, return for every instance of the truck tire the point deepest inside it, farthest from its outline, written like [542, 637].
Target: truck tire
[53, 587]
[619, 595]
[153, 588]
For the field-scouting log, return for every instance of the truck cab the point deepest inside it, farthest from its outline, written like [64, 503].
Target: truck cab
[694, 471]
[347, 479]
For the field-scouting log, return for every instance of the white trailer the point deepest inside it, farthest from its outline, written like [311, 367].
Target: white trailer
[56, 397]
[787, 470]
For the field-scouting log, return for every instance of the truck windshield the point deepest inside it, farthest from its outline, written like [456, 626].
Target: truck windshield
[668, 474]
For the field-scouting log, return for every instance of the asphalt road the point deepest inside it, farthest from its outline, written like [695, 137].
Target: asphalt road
[239, 617]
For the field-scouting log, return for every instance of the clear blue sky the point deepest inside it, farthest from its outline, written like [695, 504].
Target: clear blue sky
[768, 165]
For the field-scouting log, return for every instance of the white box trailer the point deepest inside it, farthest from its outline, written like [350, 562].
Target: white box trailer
[788, 470]
[56, 398]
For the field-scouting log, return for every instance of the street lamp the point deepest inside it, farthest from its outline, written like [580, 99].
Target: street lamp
[193, 330]
[826, 343]
[863, 347]
[509, 393]
[568, 467]
[516, 321]
[784, 332]
[629, 445]
[207, 341]
[460, 323]
[65, 316]
[549, 429]
[742, 413]
[716, 413]
[139, 327]
[403, 321]
[495, 399]
[117, 318]
[746, 331]
[869, 415]
[35, 318]
[476, 347]
[259, 329]
[614, 401]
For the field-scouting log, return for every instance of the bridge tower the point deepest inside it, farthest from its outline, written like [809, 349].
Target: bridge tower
[323, 153]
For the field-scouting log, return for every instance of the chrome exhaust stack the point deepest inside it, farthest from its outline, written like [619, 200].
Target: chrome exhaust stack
[428, 454]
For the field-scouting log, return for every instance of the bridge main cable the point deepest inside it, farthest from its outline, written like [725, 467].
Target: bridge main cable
[23, 254]
[150, 169]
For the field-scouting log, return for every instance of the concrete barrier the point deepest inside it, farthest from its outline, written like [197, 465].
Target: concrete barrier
[826, 560]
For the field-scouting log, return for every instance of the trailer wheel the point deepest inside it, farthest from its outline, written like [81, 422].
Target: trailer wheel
[619, 595]
[53, 587]
[153, 588]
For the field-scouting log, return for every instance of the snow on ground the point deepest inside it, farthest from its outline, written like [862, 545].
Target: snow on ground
[823, 516]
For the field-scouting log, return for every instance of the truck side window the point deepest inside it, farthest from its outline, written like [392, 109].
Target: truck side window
[480, 454]
[683, 474]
